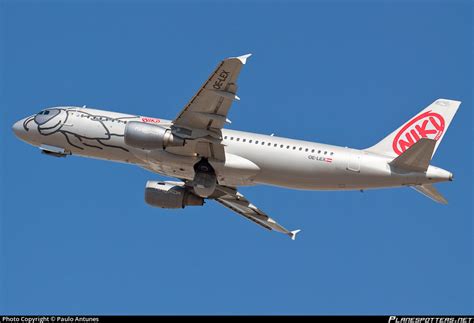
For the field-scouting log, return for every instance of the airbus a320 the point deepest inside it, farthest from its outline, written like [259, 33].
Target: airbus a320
[211, 161]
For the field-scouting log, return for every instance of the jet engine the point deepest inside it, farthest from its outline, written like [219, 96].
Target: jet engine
[170, 195]
[204, 182]
[149, 136]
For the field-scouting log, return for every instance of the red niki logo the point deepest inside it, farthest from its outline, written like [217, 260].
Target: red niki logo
[426, 125]
[150, 120]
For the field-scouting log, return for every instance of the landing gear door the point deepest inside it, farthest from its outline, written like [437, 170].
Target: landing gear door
[353, 163]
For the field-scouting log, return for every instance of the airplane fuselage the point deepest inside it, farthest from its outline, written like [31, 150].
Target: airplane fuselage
[212, 162]
[250, 158]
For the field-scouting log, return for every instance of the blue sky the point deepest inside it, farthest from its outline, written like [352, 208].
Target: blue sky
[77, 237]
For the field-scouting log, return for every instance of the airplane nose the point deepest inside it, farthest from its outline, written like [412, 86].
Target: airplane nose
[18, 129]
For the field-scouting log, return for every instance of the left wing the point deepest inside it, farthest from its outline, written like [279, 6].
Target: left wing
[209, 107]
[235, 201]
[201, 120]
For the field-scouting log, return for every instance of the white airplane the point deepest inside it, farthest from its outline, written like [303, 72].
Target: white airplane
[212, 162]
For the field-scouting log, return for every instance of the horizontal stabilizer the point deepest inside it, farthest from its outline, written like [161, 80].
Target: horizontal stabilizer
[430, 191]
[416, 158]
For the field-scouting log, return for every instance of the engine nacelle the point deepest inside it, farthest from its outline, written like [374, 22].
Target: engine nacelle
[170, 195]
[149, 136]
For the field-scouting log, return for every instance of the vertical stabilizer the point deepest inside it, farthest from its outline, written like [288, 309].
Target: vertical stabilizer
[431, 123]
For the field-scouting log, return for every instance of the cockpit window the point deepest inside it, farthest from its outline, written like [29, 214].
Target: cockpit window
[44, 116]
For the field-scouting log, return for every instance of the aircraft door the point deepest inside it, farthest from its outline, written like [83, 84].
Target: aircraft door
[353, 163]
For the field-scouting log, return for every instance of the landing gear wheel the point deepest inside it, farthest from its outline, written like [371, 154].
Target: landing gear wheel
[205, 180]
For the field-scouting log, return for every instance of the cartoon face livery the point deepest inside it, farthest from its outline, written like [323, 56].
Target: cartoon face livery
[50, 121]
[426, 125]
[77, 127]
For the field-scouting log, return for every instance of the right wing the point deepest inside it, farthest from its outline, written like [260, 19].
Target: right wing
[230, 198]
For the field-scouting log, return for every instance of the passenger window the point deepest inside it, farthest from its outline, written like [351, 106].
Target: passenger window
[269, 144]
[256, 142]
[312, 150]
[263, 143]
[238, 139]
[275, 145]
[306, 149]
[250, 141]
[231, 138]
[244, 140]
[300, 149]
[294, 147]
[225, 137]
[287, 147]
[325, 152]
[319, 151]
[332, 153]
